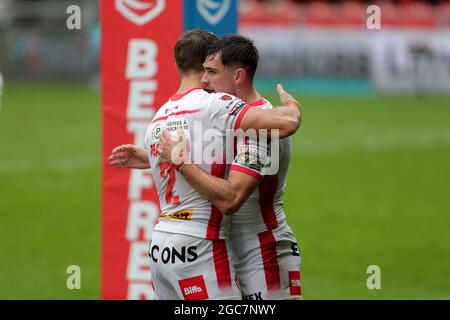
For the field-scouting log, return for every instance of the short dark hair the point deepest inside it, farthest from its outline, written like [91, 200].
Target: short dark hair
[236, 50]
[190, 49]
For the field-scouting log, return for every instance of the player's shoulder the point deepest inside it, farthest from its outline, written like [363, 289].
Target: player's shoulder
[197, 92]
[221, 97]
[267, 103]
[263, 103]
[186, 99]
[203, 98]
[191, 95]
[224, 101]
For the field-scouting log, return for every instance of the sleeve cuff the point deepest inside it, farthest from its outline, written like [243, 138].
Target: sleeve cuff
[241, 114]
[246, 171]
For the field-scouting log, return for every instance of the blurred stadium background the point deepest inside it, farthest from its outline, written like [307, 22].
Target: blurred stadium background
[370, 174]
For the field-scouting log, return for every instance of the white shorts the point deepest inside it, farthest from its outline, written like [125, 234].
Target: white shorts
[268, 265]
[191, 268]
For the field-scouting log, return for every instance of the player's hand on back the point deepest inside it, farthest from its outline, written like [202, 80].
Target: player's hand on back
[174, 149]
[129, 156]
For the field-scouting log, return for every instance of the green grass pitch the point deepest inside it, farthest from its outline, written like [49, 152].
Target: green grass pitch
[368, 185]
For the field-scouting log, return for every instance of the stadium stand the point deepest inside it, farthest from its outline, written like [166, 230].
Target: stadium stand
[345, 13]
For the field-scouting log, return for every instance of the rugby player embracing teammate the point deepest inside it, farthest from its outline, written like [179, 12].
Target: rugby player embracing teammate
[190, 226]
[266, 253]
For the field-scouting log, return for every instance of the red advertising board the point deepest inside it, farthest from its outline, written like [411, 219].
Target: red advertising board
[137, 76]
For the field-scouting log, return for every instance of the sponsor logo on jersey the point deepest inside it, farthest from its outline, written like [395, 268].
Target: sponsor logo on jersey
[171, 109]
[253, 156]
[172, 254]
[225, 97]
[154, 150]
[253, 296]
[180, 215]
[234, 109]
[156, 132]
[295, 288]
[193, 288]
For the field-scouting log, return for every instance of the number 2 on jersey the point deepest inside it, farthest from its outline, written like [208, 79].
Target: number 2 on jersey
[166, 169]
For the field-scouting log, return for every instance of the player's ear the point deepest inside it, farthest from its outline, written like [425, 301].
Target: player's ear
[239, 75]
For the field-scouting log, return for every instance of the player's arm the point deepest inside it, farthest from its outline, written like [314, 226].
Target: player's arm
[129, 156]
[286, 119]
[227, 195]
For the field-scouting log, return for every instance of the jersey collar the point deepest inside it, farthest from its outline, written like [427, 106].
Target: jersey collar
[178, 96]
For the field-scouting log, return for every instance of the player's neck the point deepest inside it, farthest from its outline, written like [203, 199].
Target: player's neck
[189, 81]
[248, 94]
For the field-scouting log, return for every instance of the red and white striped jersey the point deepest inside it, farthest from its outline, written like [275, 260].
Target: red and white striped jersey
[184, 210]
[263, 210]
